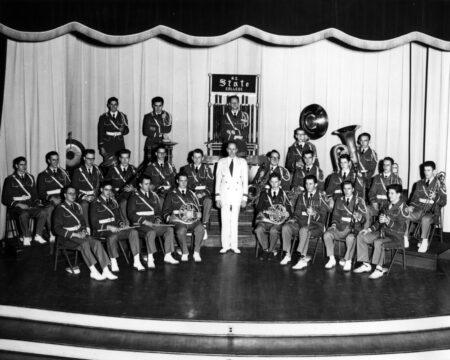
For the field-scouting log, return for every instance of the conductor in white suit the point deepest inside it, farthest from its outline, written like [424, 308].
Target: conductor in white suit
[231, 195]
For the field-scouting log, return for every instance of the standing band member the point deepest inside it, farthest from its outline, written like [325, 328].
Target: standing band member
[70, 229]
[144, 208]
[231, 194]
[234, 126]
[267, 200]
[389, 229]
[368, 159]
[112, 127]
[107, 220]
[201, 182]
[20, 196]
[429, 196]
[309, 168]
[86, 179]
[294, 157]
[179, 203]
[155, 126]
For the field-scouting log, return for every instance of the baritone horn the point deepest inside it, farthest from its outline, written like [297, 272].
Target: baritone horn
[348, 146]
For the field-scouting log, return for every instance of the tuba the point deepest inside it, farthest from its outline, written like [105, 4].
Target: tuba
[348, 146]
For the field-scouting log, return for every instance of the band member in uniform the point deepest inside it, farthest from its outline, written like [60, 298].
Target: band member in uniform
[155, 125]
[349, 214]
[162, 173]
[389, 228]
[144, 208]
[112, 127]
[368, 159]
[122, 177]
[20, 196]
[50, 182]
[378, 191]
[70, 229]
[234, 126]
[265, 225]
[346, 173]
[310, 215]
[294, 157]
[174, 203]
[86, 179]
[429, 196]
[231, 194]
[107, 220]
[201, 182]
[308, 169]
[263, 175]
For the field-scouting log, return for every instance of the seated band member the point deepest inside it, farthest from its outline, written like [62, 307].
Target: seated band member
[86, 179]
[308, 169]
[345, 173]
[111, 129]
[310, 215]
[349, 213]
[155, 126]
[49, 184]
[181, 208]
[294, 157]
[378, 191]
[429, 196]
[70, 229]
[368, 159]
[389, 228]
[264, 224]
[144, 208]
[162, 174]
[234, 126]
[20, 196]
[201, 182]
[122, 178]
[107, 220]
[263, 175]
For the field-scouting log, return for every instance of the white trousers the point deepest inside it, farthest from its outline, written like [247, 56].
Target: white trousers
[229, 232]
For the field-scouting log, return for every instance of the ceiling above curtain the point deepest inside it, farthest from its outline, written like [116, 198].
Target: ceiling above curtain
[364, 24]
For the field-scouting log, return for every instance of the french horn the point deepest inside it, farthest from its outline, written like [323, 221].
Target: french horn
[187, 214]
[275, 214]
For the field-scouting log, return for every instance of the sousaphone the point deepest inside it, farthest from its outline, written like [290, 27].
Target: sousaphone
[314, 121]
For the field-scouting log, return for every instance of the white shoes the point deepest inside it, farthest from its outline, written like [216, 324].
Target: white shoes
[108, 274]
[76, 270]
[52, 238]
[150, 263]
[300, 265]
[347, 265]
[406, 241]
[423, 247]
[331, 263]
[97, 276]
[26, 241]
[114, 265]
[365, 267]
[168, 258]
[377, 273]
[38, 238]
[223, 250]
[197, 257]
[236, 251]
[184, 257]
[286, 259]
[138, 266]
[342, 262]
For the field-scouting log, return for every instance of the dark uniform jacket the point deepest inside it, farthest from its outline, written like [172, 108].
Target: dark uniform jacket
[68, 219]
[161, 175]
[300, 174]
[103, 213]
[175, 200]
[201, 181]
[266, 200]
[318, 203]
[421, 197]
[17, 190]
[50, 184]
[368, 162]
[85, 183]
[238, 124]
[154, 126]
[334, 187]
[263, 174]
[295, 153]
[141, 207]
[342, 214]
[378, 190]
[111, 131]
[121, 178]
[398, 215]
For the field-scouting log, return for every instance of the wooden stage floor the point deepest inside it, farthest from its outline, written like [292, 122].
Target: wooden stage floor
[224, 288]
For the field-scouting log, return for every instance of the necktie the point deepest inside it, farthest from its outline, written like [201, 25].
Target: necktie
[231, 167]
[124, 170]
[307, 169]
[114, 116]
[54, 171]
[428, 182]
[108, 201]
[347, 201]
[160, 164]
[183, 192]
[344, 175]
[309, 200]
[196, 169]
[301, 147]
[90, 172]
[273, 194]
[272, 169]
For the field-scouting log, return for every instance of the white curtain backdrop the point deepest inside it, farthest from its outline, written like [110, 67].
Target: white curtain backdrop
[62, 85]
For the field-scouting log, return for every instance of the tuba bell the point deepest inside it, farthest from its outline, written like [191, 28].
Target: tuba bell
[348, 146]
[314, 121]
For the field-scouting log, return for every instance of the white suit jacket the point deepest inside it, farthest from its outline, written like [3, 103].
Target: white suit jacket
[232, 189]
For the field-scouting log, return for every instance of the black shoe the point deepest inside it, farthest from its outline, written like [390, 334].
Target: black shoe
[264, 255]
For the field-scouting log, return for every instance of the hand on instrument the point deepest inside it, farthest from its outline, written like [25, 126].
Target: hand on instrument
[147, 223]
[383, 219]
[113, 229]
[56, 200]
[376, 206]
[219, 203]
[310, 211]
[411, 208]
[200, 195]
[80, 234]
[89, 198]
[364, 231]
[357, 217]
[199, 215]
[243, 203]
[158, 221]
[22, 206]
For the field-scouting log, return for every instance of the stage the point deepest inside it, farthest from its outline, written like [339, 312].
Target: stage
[228, 305]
